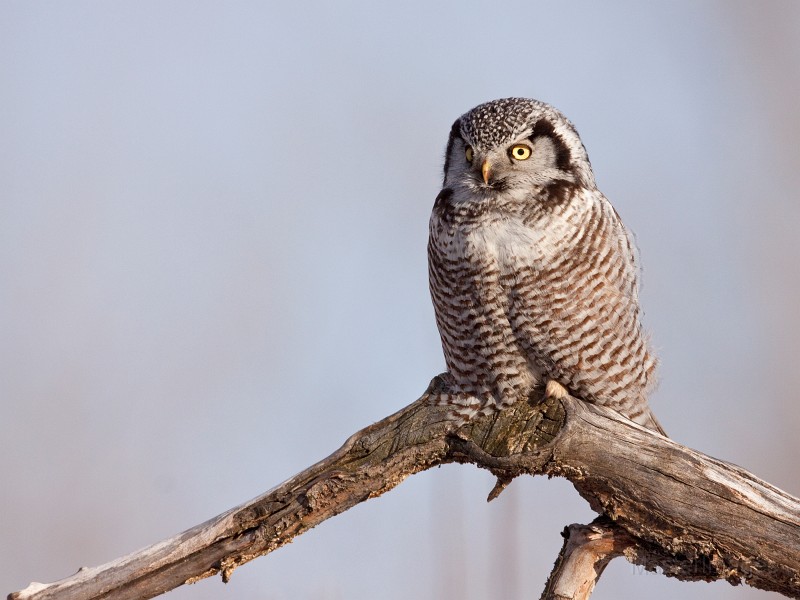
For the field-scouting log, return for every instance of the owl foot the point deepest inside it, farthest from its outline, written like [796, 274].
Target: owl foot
[464, 405]
[555, 390]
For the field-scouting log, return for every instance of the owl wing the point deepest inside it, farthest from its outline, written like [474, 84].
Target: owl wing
[577, 318]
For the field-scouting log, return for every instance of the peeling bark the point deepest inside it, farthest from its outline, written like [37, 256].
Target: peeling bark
[693, 516]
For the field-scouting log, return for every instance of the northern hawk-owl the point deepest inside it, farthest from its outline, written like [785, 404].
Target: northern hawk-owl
[533, 275]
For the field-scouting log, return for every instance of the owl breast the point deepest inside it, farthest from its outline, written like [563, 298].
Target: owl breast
[522, 297]
[474, 260]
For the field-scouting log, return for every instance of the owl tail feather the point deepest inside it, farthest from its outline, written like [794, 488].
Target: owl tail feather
[649, 420]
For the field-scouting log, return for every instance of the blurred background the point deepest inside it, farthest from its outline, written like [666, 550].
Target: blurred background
[213, 219]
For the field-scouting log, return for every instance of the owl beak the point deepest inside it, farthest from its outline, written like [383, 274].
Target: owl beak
[486, 170]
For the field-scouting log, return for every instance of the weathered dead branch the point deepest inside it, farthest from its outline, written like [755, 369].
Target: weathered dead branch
[586, 552]
[664, 505]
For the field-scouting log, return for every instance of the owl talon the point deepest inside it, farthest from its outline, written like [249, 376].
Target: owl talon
[555, 390]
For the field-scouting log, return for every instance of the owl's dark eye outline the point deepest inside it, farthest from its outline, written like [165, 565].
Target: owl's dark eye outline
[520, 152]
[469, 154]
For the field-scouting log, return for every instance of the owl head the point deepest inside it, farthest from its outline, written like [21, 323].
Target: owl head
[512, 146]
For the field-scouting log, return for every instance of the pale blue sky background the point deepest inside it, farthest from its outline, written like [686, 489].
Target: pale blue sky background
[213, 218]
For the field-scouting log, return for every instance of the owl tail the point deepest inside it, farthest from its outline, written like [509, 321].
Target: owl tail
[649, 420]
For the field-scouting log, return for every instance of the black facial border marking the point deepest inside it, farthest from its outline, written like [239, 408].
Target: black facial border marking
[455, 132]
[443, 197]
[544, 127]
[559, 191]
[443, 206]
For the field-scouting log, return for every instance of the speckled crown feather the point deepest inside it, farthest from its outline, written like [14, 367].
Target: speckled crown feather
[498, 122]
[495, 122]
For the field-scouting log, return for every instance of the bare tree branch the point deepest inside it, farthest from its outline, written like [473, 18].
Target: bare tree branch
[665, 505]
[586, 552]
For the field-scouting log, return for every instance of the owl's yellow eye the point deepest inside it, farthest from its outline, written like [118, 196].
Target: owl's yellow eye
[520, 152]
[469, 154]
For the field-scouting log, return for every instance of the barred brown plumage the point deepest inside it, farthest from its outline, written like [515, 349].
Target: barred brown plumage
[533, 275]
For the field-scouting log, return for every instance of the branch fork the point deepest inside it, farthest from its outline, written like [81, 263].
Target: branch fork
[662, 505]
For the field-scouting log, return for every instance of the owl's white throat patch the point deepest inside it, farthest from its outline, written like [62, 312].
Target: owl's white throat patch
[509, 239]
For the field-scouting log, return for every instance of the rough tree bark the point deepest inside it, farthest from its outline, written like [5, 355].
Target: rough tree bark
[662, 504]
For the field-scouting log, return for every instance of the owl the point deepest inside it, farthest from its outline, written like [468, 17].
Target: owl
[533, 275]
